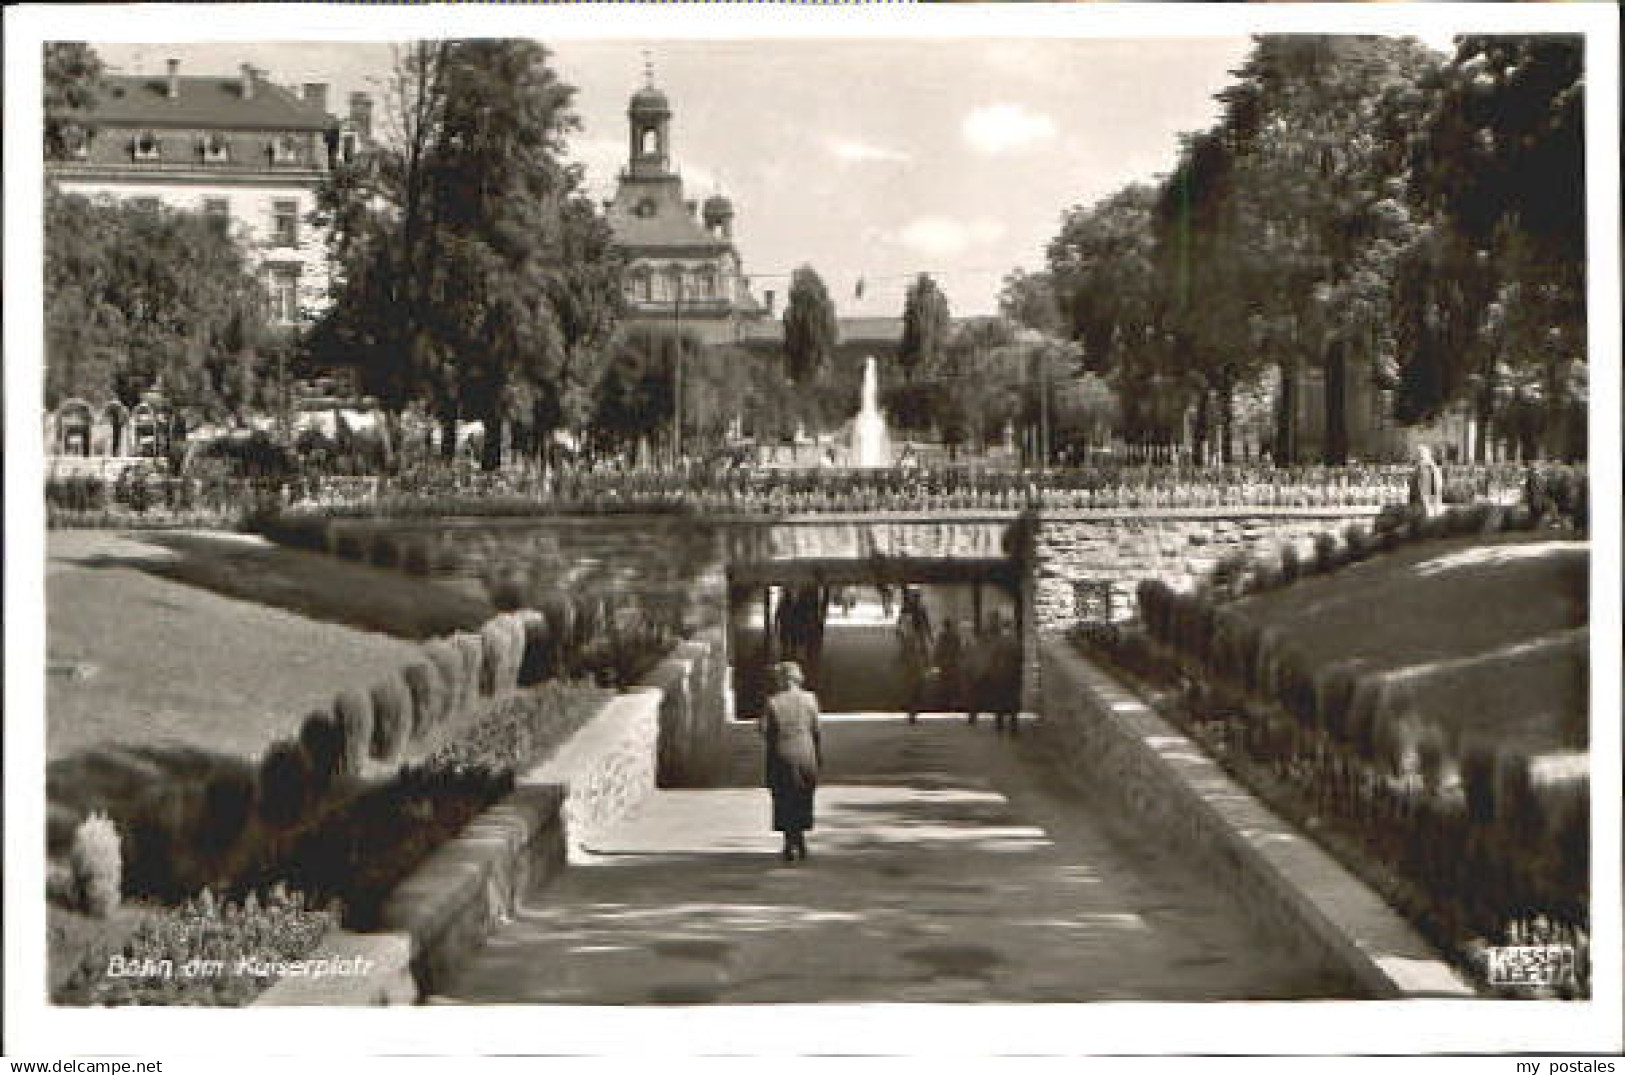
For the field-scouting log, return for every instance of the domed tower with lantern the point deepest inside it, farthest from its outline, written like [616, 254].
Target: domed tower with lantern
[683, 269]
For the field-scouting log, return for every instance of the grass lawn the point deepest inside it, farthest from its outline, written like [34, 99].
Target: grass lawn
[1490, 634]
[178, 639]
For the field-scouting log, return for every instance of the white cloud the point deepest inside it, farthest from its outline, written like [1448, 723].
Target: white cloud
[942, 235]
[999, 127]
[849, 150]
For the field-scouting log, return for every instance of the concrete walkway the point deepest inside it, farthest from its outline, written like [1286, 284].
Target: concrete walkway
[948, 865]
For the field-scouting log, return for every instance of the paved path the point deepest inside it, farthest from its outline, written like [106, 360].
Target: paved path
[948, 865]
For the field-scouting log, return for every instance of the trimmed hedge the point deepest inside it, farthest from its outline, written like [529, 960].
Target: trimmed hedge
[423, 683]
[391, 718]
[448, 662]
[284, 783]
[322, 739]
[354, 712]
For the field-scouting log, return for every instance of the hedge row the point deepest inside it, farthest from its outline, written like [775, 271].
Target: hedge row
[1398, 525]
[207, 823]
[1499, 845]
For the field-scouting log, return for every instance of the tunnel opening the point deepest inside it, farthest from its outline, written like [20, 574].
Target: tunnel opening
[894, 637]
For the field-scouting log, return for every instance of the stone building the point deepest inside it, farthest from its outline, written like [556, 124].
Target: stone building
[237, 147]
[683, 269]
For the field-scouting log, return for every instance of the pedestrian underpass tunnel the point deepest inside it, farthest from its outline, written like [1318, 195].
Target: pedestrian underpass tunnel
[876, 625]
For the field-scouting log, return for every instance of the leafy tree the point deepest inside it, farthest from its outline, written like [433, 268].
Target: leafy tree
[1498, 173]
[138, 297]
[473, 272]
[926, 326]
[1030, 300]
[809, 326]
[636, 392]
[73, 80]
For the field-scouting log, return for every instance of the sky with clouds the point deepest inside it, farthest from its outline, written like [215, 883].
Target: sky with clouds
[866, 159]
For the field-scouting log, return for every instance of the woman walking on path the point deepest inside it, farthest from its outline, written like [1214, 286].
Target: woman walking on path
[794, 754]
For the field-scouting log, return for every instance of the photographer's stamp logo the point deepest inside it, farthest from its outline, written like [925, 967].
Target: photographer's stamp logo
[1531, 965]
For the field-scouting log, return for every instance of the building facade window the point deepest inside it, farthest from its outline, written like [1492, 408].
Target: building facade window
[284, 149]
[216, 149]
[285, 223]
[284, 285]
[147, 147]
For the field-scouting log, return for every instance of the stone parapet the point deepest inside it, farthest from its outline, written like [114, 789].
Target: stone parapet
[1107, 739]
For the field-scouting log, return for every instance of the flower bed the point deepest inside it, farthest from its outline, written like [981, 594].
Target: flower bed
[614, 490]
[202, 953]
[344, 856]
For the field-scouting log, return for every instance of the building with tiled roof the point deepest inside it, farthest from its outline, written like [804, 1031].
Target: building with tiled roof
[683, 269]
[238, 147]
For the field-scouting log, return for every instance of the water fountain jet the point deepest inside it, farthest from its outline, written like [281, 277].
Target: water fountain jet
[871, 443]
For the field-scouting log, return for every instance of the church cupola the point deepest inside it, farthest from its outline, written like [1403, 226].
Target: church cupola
[649, 118]
[719, 216]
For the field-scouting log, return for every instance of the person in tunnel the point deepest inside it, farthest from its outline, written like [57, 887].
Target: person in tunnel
[949, 658]
[999, 689]
[794, 752]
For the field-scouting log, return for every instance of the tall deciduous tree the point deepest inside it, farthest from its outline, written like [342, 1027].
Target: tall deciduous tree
[1498, 172]
[139, 296]
[73, 81]
[926, 326]
[474, 273]
[1029, 299]
[809, 326]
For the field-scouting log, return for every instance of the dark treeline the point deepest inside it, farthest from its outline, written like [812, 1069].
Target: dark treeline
[1366, 208]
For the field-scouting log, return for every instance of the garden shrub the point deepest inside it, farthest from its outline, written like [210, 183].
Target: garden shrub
[391, 718]
[416, 558]
[1494, 520]
[284, 786]
[448, 662]
[1361, 543]
[95, 865]
[322, 739]
[386, 550]
[496, 644]
[1478, 766]
[471, 649]
[1432, 753]
[1291, 567]
[1518, 518]
[354, 712]
[1334, 691]
[428, 696]
[228, 805]
[1369, 697]
[1328, 552]
[349, 544]
[1397, 735]
[1266, 576]
[1228, 574]
[508, 591]
[534, 666]
[1516, 806]
[1156, 600]
[1294, 687]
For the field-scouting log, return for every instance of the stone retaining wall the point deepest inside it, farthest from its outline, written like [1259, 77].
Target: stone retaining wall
[1113, 743]
[1117, 550]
